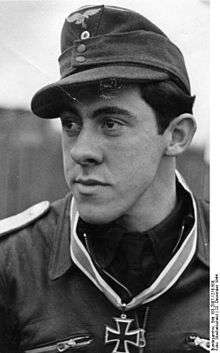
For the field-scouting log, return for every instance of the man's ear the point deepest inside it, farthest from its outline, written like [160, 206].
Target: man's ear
[180, 132]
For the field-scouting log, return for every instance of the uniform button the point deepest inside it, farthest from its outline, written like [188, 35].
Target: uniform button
[81, 48]
[80, 59]
[85, 35]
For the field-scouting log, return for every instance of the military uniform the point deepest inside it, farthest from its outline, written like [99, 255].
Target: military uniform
[53, 296]
[52, 301]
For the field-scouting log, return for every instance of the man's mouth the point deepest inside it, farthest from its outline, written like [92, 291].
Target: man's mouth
[90, 182]
[89, 187]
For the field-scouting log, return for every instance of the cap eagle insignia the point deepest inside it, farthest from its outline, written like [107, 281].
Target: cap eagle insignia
[79, 18]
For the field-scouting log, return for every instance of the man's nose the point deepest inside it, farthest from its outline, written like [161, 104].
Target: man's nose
[86, 149]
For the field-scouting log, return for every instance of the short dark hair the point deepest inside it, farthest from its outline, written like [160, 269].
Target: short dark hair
[168, 101]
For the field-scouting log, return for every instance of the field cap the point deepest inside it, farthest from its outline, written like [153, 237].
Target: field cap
[107, 42]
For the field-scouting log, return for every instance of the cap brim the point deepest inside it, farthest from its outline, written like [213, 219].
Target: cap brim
[48, 102]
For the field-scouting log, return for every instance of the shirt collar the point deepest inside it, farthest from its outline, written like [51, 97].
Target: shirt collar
[105, 242]
[167, 234]
[60, 260]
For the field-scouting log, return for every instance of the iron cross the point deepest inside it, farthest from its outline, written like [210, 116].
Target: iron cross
[122, 337]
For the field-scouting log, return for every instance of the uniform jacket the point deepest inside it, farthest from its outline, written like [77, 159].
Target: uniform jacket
[47, 304]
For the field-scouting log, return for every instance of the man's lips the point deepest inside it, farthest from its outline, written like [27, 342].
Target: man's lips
[90, 182]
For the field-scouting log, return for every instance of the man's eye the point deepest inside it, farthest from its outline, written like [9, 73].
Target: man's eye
[112, 125]
[71, 127]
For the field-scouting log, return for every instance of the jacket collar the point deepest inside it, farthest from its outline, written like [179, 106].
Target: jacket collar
[60, 259]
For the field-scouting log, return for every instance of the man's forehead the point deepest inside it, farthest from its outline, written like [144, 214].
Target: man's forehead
[90, 101]
[102, 90]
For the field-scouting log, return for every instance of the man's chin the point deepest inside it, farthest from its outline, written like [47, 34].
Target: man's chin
[95, 219]
[96, 215]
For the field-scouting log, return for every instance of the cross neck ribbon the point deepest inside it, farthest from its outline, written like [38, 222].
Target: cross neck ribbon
[166, 279]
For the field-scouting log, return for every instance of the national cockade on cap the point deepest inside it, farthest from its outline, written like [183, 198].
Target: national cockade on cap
[104, 42]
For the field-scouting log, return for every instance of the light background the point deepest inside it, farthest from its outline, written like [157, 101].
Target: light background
[29, 39]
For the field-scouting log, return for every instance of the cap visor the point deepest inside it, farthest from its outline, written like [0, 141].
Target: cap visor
[48, 102]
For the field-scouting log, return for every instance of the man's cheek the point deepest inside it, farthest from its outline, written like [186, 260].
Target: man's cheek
[67, 169]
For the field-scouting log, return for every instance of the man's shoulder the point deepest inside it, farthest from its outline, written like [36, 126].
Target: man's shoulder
[203, 230]
[27, 239]
[23, 219]
[43, 215]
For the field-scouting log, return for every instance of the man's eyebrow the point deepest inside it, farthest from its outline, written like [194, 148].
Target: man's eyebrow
[112, 110]
[70, 109]
[100, 111]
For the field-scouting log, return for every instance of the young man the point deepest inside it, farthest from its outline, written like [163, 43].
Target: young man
[120, 265]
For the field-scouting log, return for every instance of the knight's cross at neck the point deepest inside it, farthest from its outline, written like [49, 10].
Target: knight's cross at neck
[123, 337]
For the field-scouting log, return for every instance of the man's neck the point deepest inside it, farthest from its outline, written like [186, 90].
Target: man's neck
[147, 220]
[159, 202]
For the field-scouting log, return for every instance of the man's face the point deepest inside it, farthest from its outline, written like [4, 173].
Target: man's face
[112, 153]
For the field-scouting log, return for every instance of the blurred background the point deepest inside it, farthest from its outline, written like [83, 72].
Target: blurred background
[30, 150]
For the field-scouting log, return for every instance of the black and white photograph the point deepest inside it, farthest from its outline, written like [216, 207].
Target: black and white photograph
[105, 177]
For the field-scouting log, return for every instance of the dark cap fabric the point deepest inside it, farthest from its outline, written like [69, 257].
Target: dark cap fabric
[104, 42]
